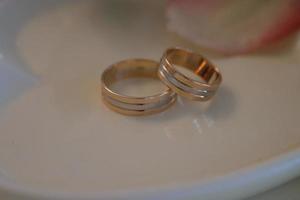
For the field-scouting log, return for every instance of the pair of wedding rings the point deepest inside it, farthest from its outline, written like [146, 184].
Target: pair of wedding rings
[176, 82]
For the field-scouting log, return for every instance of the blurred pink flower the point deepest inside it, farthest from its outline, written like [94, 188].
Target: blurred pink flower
[234, 26]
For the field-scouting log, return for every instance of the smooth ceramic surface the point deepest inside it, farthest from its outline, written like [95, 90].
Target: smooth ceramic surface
[290, 191]
[58, 139]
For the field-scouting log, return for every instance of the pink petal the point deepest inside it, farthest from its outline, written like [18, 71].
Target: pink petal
[234, 26]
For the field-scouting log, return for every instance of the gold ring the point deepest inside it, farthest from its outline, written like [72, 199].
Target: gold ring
[129, 105]
[180, 83]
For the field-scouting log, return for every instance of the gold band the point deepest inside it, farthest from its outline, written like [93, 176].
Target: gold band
[128, 105]
[181, 84]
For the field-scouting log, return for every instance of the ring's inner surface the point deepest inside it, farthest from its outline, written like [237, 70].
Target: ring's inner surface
[130, 69]
[195, 63]
[135, 78]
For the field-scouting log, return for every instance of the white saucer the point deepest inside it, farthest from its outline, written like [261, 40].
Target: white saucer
[57, 140]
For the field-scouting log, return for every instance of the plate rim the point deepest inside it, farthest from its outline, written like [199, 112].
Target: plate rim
[239, 184]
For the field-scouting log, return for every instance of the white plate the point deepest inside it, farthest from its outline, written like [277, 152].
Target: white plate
[59, 141]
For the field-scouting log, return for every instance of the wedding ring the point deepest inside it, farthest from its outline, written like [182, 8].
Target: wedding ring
[128, 105]
[183, 85]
